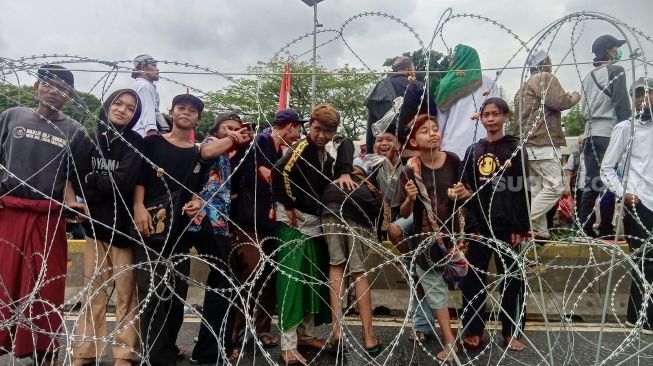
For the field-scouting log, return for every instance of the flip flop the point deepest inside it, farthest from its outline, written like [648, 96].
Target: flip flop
[373, 351]
[268, 341]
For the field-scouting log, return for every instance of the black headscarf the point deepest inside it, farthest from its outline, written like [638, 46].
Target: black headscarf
[104, 125]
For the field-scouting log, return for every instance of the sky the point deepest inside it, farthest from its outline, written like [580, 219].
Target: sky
[228, 36]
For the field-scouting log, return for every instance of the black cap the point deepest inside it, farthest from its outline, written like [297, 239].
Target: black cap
[190, 99]
[287, 115]
[606, 42]
[228, 116]
[57, 74]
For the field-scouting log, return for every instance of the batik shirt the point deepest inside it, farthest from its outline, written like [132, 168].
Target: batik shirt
[217, 195]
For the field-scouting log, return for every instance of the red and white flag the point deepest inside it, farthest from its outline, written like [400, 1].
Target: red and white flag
[284, 92]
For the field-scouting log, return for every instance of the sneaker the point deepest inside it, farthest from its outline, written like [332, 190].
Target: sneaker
[646, 329]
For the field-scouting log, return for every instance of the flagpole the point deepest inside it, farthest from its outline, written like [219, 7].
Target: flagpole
[314, 54]
[316, 24]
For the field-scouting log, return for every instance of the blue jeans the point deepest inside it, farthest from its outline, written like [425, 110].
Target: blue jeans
[422, 314]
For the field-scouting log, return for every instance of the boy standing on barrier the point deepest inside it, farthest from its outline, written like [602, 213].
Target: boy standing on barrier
[34, 194]
[497, 214]
[539, 103]
[627, 170]
[298, 181]
[605, 103]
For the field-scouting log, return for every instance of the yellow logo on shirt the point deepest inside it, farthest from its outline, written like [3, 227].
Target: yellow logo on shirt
[487, 164]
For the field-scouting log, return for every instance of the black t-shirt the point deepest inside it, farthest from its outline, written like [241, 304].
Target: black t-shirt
[181, 163]
[437, 182]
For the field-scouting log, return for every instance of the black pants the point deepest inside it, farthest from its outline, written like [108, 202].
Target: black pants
[162, 289]
[214, 343]
[594, 150]
[642, 250]
[511, 287]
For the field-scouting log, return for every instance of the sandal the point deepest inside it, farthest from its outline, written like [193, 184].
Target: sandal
[373, 351]
[419, 336]
[268, 341]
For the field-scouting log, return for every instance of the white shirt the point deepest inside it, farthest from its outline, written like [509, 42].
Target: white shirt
[150, 102]
[640, 167]
[580, 174]
[458, 130]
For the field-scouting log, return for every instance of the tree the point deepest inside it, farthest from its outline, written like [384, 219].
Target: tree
[573, 122]
[346, 89]
[84, 108]
[437, 62]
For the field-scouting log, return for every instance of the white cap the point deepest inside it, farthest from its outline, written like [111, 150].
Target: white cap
[536, 57]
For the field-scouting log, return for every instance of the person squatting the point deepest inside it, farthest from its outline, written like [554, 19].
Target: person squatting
[285, 215]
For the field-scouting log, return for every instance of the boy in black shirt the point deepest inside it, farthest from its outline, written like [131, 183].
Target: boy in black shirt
[498, 215]
[428, 189]
[173, 175]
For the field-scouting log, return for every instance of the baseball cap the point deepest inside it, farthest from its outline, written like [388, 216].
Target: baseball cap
[536, 57]
[606, 42]
[140, 61]
[642, 82]
[287, 115]
[190, 99]
[57, 74]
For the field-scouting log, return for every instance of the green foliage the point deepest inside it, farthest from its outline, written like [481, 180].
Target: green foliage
[84, 108]
[437, 62]
[573, 122]
[346, 89]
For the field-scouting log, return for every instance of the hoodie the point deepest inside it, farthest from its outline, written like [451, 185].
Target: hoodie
[109, 162]
[499, 201]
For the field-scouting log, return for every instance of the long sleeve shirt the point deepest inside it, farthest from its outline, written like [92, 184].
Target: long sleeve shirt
[638, 176]
[605, 100]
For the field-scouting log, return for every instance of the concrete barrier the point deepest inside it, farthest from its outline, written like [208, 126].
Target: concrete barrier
[574, 280]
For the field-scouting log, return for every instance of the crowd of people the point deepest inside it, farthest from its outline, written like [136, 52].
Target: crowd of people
[285, 215]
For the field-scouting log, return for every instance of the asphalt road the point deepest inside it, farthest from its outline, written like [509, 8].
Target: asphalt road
[575, 345]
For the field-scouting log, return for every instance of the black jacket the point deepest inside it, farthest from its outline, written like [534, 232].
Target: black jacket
[416, 101]
[108, 167]
[499, 201]
[299, 183]
[361, 205]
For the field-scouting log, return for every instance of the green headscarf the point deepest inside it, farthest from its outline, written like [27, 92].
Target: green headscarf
[457, 84]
